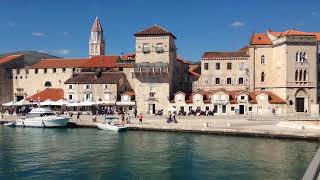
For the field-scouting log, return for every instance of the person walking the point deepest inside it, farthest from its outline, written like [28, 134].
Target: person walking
[140, 118]
[135, 113]
[128, 118]
[122, 116]
[78, 116]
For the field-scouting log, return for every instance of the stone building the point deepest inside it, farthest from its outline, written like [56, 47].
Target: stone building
[96, 39]
[286, 63]
[6, 65]
[99, 87]
[228, 70]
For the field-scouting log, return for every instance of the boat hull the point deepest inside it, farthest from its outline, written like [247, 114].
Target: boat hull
[111, 127]
[43, 122]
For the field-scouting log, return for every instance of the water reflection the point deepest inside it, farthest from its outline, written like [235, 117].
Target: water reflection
[88, 153]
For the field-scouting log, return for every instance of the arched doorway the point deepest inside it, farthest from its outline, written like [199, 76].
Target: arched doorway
[301, 99]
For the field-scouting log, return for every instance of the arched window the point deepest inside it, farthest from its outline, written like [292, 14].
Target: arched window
[47, 84]
[296, 75]
[262, 77]
[300, 75]
[300, 57]
[263, 59]
[297, 57]
[305, 75]
[303, 58]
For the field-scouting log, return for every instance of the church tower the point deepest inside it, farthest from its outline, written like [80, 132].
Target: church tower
[96, 39]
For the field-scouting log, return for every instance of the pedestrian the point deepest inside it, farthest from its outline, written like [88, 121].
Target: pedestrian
[122, 117]
[128, 118]
[140, 118]
[135, 113]
[78, 116]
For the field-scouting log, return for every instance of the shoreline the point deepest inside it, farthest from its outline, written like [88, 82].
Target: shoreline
[291, 135]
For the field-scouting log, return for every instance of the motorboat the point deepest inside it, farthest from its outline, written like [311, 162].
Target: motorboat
[10, 124]
[42, 117]
[110, 125]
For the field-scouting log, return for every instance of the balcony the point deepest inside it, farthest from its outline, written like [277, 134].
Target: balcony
[151, 68]
[301, 84]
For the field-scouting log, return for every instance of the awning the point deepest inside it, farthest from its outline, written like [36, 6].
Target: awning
[105, 103]
[22, 102]
[60, 102]
[130, 103]
[11, 103]
[47, 102]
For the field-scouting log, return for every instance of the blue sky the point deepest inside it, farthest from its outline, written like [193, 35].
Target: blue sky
[62, 27]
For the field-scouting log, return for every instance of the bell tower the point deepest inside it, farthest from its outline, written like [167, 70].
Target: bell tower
[96, 39]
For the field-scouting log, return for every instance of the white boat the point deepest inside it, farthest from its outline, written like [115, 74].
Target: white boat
[10, 124]
[109, 125]
[42, 117]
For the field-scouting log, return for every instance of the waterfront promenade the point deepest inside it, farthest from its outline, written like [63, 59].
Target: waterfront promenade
[303, 127]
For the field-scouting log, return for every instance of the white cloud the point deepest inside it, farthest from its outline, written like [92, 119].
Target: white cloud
[62, 51]
[237, 24]
[66, 33]
[39, 34]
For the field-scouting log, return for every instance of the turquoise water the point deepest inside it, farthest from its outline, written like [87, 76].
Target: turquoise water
[30, 153]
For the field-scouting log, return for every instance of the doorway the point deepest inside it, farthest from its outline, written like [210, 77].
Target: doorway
[299, 104]
[241, 109]
[152, 108]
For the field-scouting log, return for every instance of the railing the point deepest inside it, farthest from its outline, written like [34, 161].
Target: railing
[301, 83]
[158, 67]
[312, 172]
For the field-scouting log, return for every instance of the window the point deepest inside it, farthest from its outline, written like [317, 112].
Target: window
[73, 69]
[262, 77]
[87, 86]
[36, 71]
[63, 69]
[54, 70]
[47, 84]
[296, 75]
[70, 97]
[232, 108]
[70, 86]
[18, 71]
[88, 97]
[151, 94]
[27, 71]
[305, 75]
[241, 66]
[45, 70]
[297, 57]
[120, 68]
[190, 108]
[229, 66]
[207, 108]
[241, 80]
[217, 80]
[250, 108]
[159, 48]
[217, 66]
[300, 75]
[242, 97]
[105, 86]
[145, 48]
[228, 80]
[263, 60]
[206, 81]
[206, 66]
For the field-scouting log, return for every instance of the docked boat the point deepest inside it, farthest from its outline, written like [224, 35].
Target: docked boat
[110, 125]
[42, 117]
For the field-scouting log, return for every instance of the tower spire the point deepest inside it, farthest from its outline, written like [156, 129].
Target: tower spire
[96, 39]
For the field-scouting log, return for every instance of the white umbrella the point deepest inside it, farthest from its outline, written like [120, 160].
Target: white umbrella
[22, 102]
[172, 109]
[72, 104]
[11, 103]
[86, 103]
[47, 102]
[60, 102]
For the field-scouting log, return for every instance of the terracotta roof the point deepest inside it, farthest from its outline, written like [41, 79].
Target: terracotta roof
[273, 98]
[182, 60]
[129, 56]
[130, 93]
[59, 63]
[53, 94]
[293, 32]
[92, 78]
[225, 54]
[9, 58]
[105, 62]
[193, 70]
[154, 30]
[260, 39]
[96, 27]
[317, 34]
